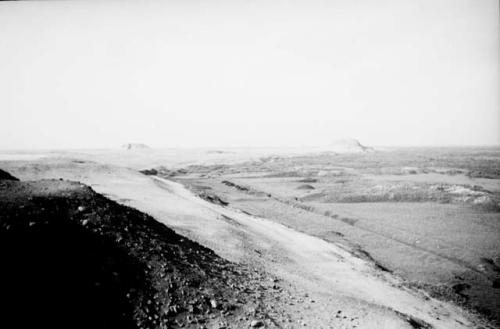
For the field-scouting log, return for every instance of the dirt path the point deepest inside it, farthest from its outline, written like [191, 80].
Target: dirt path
[327, 269]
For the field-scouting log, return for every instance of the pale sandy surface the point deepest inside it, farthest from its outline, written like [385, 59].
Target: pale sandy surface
[426, 217]
[312, 252]
[170, 157]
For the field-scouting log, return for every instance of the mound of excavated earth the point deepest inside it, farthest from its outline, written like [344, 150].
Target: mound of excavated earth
[71, 258]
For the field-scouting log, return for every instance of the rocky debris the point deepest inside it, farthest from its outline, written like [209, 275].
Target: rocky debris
[164, 172]
[199, 170]
[212, 198]
[123, 268]
[257, 324]
[491, 173]
[472, 194]
[149, 172]
[236, 186]
[247, 190]
[6, 176]
[459, 289]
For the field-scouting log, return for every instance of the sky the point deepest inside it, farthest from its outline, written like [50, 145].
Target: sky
[96, 74]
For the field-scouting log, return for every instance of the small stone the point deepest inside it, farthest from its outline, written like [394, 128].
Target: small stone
[81, 208]
[213, 303]
[257, 324]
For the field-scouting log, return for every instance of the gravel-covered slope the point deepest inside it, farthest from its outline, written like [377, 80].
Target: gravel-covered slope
[71, 258]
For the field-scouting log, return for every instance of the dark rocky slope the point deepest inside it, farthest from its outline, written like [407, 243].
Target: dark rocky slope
[71, 258]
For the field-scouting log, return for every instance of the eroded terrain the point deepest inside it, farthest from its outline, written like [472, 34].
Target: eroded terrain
[429, 216]
[394, 239]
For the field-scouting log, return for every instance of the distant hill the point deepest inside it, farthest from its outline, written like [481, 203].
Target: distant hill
[349, 145]
[137, 146]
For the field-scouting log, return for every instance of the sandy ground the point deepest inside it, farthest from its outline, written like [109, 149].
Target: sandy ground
[170, 157]
[429, 216]
[325, 267]
[333, 280]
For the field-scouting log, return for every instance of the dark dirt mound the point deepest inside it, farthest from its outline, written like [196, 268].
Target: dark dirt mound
[305, 187]
[164, 172]
[308, 180]
[6, 176]
[149, 172]
[210, 197]
[73, 259]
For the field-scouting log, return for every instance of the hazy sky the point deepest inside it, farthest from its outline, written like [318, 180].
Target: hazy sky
[249, 73]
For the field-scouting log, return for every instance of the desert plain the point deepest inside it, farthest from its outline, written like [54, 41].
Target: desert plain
[299, 237]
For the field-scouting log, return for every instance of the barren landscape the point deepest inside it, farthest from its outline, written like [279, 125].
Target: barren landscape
[324, 164]
[394, 238]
